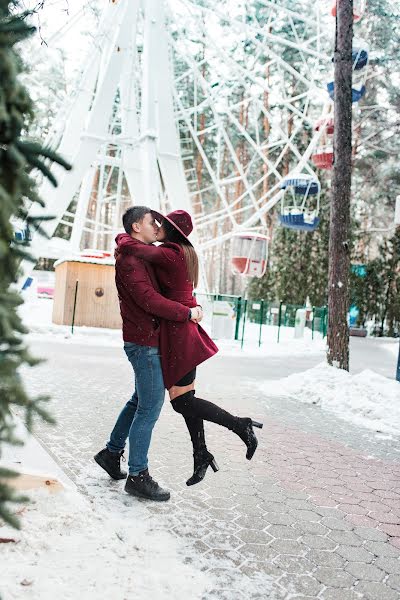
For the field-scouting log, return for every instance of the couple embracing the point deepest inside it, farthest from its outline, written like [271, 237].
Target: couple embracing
[164, 344]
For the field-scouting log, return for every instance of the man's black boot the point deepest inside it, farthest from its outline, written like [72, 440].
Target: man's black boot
[110, 462]
[144, 486]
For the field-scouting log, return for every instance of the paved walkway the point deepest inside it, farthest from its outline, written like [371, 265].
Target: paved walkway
[315, 514]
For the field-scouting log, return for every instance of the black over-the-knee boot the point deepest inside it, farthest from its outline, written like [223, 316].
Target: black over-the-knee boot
[190, 405]
[202, 459]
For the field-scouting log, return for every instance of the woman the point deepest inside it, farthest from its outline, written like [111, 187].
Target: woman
[183, 346]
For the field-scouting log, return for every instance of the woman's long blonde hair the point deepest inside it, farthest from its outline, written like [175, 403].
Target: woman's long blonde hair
[191, 258]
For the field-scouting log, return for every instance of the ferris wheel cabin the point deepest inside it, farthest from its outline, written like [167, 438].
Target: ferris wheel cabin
[300, 202]
[249, 254]
[322, 157]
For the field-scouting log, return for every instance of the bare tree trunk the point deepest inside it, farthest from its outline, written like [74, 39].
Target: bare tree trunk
[197, 204]
[270, 216]
[339, 242]
[241, 153]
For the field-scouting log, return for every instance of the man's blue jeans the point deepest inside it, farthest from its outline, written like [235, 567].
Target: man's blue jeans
[140, 414]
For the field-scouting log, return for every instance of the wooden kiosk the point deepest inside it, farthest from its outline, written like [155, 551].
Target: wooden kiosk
[87, 283]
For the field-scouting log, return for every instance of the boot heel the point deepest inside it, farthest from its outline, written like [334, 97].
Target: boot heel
[214, 465]
[257, 424]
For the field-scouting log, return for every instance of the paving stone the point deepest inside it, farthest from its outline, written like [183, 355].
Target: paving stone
[256, 511]
[376, 591]
[273, 497]
[392, 504]
[300, 504]
[246, 491]
[324, 501]
[266, 507]
[339, 489]
[225, 526]
[187, 530]
[224, 558]
[258, 551]
[224, 578]
[305, 515]
[325, 558]
[391, 518]
[284, 532]
[341, 499]
[334, 577]
[251, 522]
[361, 521]
[354, 554]
[386, 493]
[274, 591]
[382, 549]
[222, 541]
[393, 530]
[241, 502]
[279, 518]
[255, 567]
[373, 535]
[331, 513]
[349, 538]
[301, 584]
[353, 509]
[318, 541]
[340, 594]
[393, 581]
[337, 524]
[375, 506]
[293, 564]
[365, 572]
[287, 547]
[255, 536]
[297, 495]
[225, 503]
[222, 515]
[390, 565]
[312, 527]
[200, 546]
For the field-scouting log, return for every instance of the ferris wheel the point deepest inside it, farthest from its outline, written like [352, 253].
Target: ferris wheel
[249, 98]
[191, 104]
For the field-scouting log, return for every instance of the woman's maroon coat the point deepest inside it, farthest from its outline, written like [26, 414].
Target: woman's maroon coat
[185, 345]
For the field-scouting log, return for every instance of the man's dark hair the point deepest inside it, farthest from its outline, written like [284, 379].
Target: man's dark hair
[135, 214]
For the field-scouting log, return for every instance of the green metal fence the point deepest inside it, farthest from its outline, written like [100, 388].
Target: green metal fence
[246, 313]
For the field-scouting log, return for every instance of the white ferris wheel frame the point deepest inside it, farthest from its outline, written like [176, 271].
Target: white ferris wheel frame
[147, 151]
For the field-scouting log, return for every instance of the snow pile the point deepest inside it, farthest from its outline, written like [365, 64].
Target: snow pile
[70, 545]
[366, 399]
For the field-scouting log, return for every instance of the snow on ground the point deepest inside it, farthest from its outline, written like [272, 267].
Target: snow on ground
[287, 345]
[103, 545]
[70, 544]
[392, 345]
[366, 399]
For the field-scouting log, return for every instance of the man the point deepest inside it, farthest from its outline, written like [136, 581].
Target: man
[141, 305]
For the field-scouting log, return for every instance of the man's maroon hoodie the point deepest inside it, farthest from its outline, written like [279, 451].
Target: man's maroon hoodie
[140, 301]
